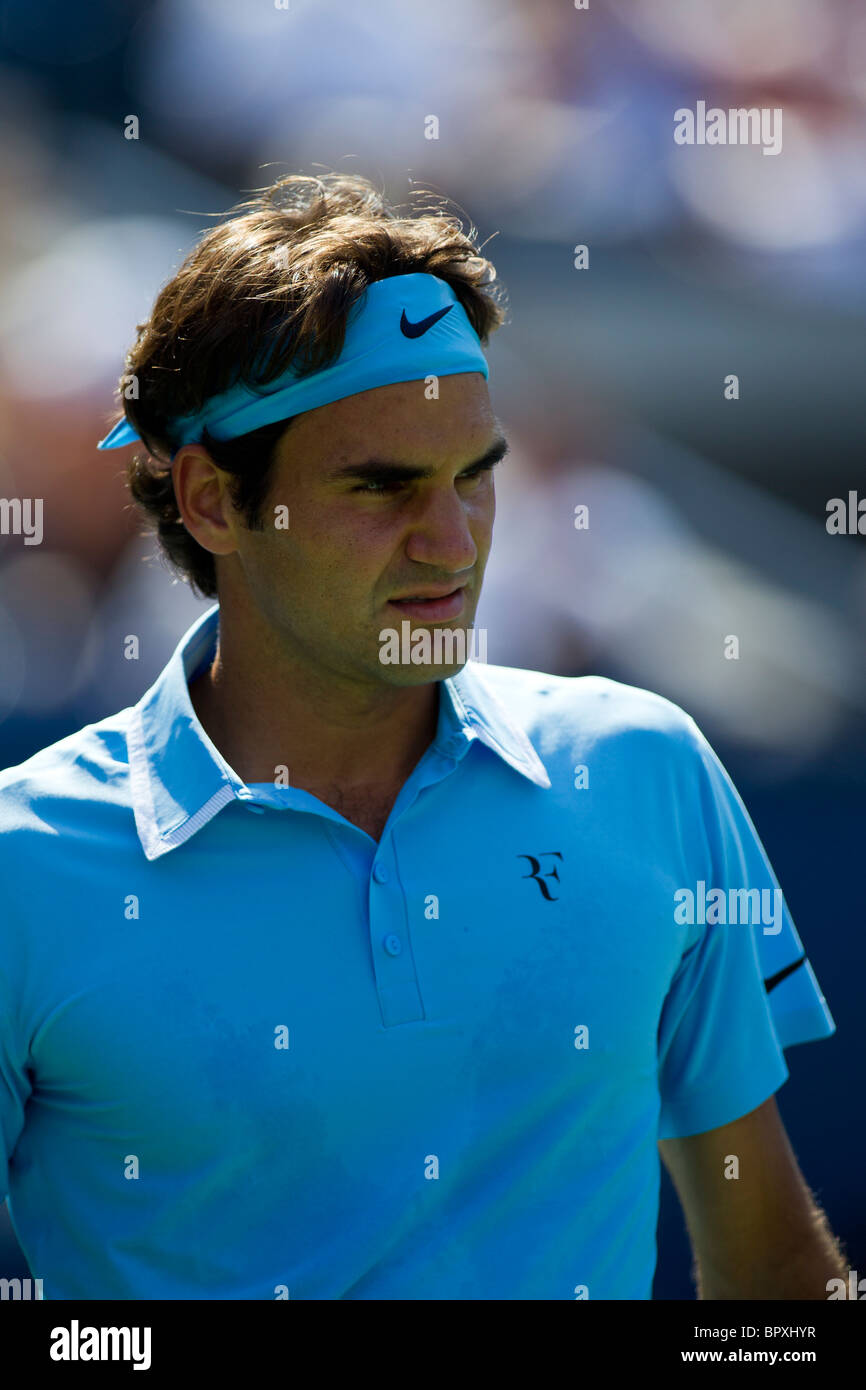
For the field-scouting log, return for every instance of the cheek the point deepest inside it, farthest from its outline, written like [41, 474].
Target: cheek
[337, 553]
[481, 517]
[362, 537]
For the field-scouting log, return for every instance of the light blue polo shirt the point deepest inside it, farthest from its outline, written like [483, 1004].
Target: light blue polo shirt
[246, 1052]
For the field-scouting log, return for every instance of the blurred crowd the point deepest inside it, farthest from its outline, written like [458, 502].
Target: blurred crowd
[554, 129]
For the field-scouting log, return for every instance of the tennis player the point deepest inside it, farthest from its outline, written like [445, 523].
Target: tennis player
[343, 965]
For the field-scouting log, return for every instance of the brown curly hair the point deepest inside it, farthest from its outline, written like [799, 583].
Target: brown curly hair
[281, 276]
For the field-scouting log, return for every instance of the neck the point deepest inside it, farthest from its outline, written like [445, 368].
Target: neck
[266, 708]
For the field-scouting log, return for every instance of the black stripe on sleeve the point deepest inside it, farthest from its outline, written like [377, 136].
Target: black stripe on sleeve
[781, 975]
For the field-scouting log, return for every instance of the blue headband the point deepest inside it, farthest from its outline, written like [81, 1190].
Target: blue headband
[401, 329]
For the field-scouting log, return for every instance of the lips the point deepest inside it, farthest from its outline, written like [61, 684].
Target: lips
[440, 605]
[441, 592]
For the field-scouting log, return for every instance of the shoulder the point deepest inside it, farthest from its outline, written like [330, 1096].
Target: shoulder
[588, 710]
[56, 787]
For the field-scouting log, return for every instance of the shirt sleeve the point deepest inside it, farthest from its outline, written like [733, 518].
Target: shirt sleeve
[743, 990]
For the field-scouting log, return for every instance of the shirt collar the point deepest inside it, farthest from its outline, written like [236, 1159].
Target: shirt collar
[179, 779]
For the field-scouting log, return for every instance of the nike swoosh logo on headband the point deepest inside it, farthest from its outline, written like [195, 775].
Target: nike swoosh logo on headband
[415, 330]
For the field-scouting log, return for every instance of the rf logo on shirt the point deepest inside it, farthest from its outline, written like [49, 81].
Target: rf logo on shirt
[538, 875]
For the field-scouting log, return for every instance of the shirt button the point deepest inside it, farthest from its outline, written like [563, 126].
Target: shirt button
[380, 874]
[393, 945]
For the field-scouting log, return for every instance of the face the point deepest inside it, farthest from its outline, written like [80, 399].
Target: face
[389, 495]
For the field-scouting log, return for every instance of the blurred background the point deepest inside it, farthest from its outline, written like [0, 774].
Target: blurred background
[707, 516]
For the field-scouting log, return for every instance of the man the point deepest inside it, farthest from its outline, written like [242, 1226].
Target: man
[342, 966]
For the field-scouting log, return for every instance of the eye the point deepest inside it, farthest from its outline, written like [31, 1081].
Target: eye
[373, 487]
[478, 472]
[485, 467]
[376, 487]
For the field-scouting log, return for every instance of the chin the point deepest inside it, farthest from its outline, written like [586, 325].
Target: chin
[419, 675]
[414, 655]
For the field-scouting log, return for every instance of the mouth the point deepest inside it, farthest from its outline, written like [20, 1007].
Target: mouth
[434, 609]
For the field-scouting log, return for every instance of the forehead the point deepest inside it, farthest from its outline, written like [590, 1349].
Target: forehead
[427, 415]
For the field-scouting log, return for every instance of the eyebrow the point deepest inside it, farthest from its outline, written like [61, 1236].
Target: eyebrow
[389, 470]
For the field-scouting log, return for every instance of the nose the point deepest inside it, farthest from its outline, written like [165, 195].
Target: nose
[441, 535]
